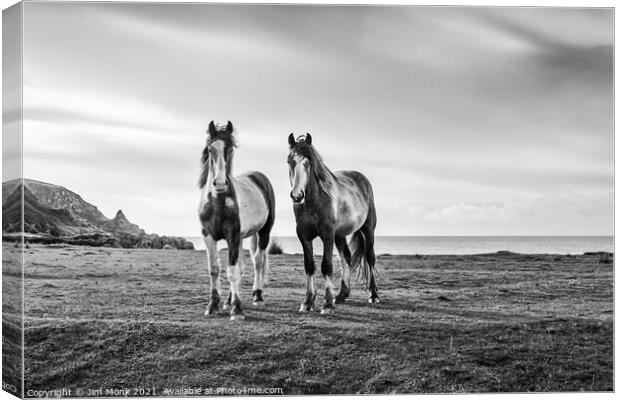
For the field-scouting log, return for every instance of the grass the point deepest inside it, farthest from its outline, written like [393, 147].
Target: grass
[11, 319]
[117, 318]
[275, 247]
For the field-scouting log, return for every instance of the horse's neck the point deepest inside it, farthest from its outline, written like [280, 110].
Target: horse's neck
[314, 195]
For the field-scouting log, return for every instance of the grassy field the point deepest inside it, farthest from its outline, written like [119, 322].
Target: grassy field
[103, 318]
[11, 320]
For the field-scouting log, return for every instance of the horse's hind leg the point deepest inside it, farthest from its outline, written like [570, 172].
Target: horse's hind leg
[327, 269]
[345, 263]
[370, 259]
[259, 259]
[214, 275]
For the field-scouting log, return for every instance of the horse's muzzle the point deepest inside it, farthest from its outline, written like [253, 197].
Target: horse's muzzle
[299, 198]
[220, 187]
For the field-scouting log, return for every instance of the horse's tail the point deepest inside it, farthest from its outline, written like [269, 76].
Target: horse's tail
[358, 257]
[363, 240]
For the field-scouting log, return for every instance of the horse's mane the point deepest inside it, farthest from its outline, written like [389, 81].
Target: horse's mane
[324, 176]
[219, 132]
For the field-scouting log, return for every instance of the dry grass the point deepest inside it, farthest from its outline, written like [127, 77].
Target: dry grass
[11, 319]
[118, 318]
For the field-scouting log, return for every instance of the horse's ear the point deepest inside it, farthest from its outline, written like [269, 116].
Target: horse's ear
[211, 130]
[291, 140]
[229, 127]
[308, 138]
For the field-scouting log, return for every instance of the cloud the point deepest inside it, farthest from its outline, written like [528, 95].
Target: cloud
[466, 115]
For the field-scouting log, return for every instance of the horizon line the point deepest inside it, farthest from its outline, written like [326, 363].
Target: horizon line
[476, 236]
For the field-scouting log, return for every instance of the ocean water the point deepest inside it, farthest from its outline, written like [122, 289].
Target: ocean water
[461, 244]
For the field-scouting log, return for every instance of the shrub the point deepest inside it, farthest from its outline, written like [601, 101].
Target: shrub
[275, 247]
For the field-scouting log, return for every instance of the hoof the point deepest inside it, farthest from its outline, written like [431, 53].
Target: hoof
[339, 299]
[258, 304]
[211, 309]
[306, 308]
[237, 317]
[327, 310]
[228, 302]
[374, 300]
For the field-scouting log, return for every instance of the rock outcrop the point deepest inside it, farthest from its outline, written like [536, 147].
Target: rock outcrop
[54, 214]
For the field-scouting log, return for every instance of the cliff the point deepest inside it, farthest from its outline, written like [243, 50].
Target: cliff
[55, 214]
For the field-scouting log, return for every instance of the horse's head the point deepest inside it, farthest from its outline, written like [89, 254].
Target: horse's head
[299, 166]
[217, 157]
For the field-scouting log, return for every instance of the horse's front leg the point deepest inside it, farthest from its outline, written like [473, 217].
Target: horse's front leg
[327, 269]
[234, 271]
[228, 303]
[214, 274]
[308, 303]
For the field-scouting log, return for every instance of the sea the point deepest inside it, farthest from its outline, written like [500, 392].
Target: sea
[435, 245]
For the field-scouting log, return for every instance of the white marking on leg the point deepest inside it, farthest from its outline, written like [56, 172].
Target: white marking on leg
[257, 273]
[261, 267]
[309, 293]
[260, 271]
[213, 262]
[310, 284]
[265, 269]
[234, 276]
[329, 294]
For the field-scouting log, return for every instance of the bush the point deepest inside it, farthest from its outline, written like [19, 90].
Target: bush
[275, 247]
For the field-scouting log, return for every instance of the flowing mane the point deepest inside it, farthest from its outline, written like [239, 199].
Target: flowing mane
[215, 132]
[324, 176]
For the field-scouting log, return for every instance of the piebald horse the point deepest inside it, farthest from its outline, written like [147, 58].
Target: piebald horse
[231, 209]
[332, 205]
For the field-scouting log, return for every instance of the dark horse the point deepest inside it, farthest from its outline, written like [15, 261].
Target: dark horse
[231, 209]
[332, 205]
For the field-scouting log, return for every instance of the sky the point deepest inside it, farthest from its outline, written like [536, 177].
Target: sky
[467, 121]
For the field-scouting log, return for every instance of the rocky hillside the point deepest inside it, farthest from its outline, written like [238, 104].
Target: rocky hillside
[55, 214]
[37, 217]
[120, 223]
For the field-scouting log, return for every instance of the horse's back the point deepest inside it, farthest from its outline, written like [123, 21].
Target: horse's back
[354, 198]
[354, 177]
